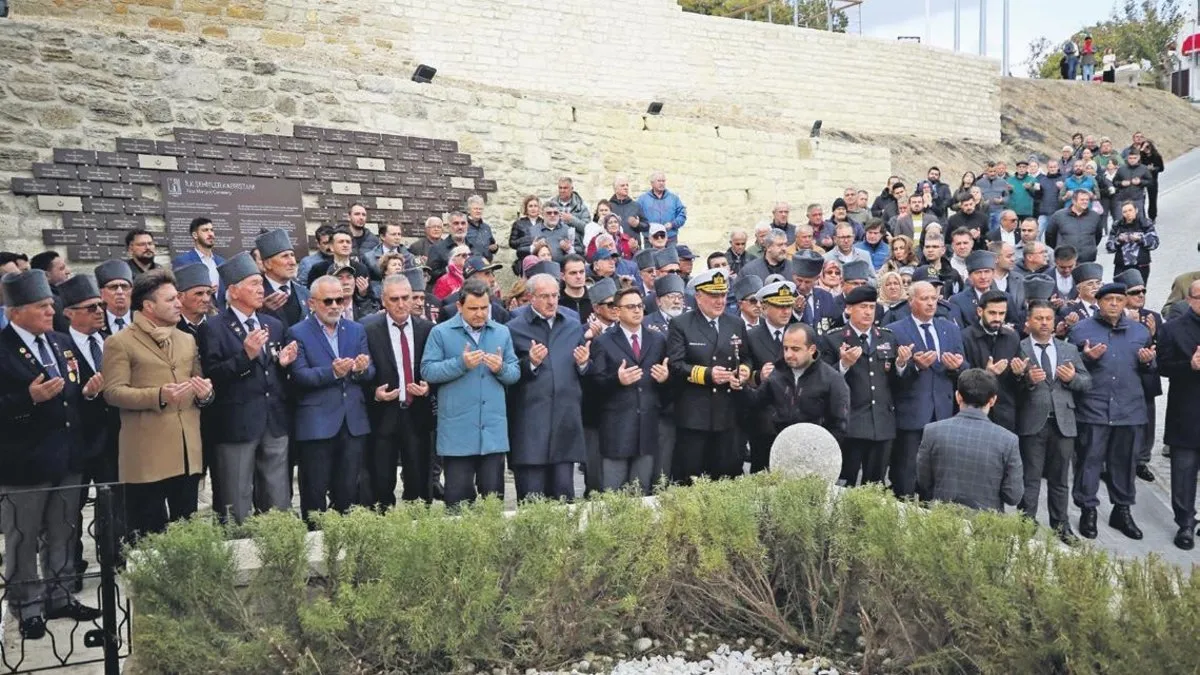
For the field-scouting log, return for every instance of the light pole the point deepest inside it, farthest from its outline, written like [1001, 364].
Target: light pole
[958, 24]
[983, 27]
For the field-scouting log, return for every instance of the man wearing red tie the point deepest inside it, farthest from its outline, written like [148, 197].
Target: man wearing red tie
[401, 410]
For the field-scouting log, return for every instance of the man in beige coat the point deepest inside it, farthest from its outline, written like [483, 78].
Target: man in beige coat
[152, 373]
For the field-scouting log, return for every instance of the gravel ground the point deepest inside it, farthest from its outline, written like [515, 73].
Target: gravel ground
[723, 659]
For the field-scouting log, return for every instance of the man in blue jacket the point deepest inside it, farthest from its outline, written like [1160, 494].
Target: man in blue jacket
[660, 205]
[471, 357]
[331, 427]
[929, 357]
[1112, 412]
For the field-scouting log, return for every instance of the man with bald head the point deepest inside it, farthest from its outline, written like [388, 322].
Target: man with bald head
[928, 360]
[401, 411]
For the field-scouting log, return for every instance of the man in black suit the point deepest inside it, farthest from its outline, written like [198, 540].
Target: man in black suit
[765, 347]
[995, 347]
[865, 355]
[41, 403]
[101, 423]
[705, 352]
[242, 352]
[115, 280]
[401, 410]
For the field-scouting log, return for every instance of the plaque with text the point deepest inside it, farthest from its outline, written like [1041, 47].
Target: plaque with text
[240, 207]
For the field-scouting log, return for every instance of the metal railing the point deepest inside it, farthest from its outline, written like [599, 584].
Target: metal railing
[56, 575]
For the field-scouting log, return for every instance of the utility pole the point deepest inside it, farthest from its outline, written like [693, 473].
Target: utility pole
[1004, 61]
[928, 25]
[983, 27]
[958, 24]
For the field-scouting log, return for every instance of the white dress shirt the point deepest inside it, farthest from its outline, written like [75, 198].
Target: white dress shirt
[85, 349]
[211, 263]
[126, 318]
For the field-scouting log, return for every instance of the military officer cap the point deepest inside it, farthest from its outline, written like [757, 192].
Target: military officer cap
[416, 279]
[711, 281]
[1111, 288]
[667, 256]
[546, 267]
[856, 270]
[981, 260]
[237, 268]
[1132, 278]
[272, 243]
[746, 286]
[1087, 272]
[77, 289]
[807, 264]
[645, 259]
[668, 284]
[191, 276]
[113, 270]
[779, 294]
[862, 293]
[925, 273]
[25, 288]
[1038, 287]
[602, 291]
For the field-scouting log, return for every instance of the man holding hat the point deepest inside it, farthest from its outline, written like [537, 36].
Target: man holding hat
[814, 306]
[43, 401]
[709, 358]
[243, 352]
[1136, 310]
[115, 280]
[865, 355]
[195, 297]
[84, 309]
[285, 299]
[765, 346]
[1112, 412]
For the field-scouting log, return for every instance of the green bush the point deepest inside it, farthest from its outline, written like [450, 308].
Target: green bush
[941, 590]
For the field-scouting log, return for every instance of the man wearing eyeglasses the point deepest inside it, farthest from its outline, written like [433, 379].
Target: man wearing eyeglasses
[115, 280]
[545, 421]
[1135, 309]
[331, 423]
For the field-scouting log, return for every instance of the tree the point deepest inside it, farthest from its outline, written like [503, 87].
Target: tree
[1140, 31]
[1040, 49]
[812, 12]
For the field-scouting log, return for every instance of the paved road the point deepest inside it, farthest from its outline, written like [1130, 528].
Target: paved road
[1179, 201]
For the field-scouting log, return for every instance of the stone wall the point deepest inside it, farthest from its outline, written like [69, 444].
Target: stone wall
[628, 51]
[79, 84]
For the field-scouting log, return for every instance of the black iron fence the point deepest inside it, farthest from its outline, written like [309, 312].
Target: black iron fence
[57, 566]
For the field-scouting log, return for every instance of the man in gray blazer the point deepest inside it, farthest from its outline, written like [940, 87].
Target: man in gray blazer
[968, 459]
[1051, 371]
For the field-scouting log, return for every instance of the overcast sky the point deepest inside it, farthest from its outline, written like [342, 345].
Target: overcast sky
[1028, 19]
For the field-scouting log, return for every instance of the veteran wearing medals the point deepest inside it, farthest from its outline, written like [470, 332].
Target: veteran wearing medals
[706, 349]
[243, 352]
[865, 355]
[41, 402]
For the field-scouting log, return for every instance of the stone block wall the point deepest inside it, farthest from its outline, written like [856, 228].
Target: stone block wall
[625, 51]
[81, 84]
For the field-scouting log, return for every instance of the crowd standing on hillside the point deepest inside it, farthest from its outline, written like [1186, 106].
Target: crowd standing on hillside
[958, 341]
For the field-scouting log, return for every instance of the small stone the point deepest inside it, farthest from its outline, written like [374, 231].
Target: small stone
[583, 666]
[637, 630]
[643, 644]
[741, 642]
[860, 642]
[759, 642]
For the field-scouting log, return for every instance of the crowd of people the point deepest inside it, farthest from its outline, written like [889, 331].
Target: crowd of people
[959, 344]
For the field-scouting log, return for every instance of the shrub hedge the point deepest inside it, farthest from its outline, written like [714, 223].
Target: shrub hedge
[942, 590]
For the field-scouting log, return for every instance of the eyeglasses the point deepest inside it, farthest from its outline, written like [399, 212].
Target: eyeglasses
[95, 308]
[118, 286]
[637, 308]
[330, 302]
[1140, 291]
[753, 301]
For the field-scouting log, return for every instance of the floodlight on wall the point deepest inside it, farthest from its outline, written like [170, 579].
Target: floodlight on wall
[816, 130]
[655, 108]
[424, 74]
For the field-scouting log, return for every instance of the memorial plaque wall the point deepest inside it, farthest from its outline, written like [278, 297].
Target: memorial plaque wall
[244, 183]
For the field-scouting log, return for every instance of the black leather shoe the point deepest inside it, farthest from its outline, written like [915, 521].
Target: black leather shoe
[1122, 520]
[1184, 539]
[33, 628]
[1087, 523]
[74, 610]
[1145, 473]
[1065, 534]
